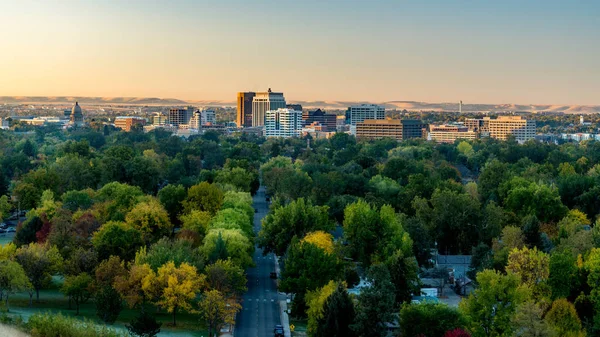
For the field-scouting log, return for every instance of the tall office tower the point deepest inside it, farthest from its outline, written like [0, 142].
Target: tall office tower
[329, 121]
[244, 109]
[209, 116]
[283, 123]
[297, 107]
[359, 113]
[263, 102]
[180, 116]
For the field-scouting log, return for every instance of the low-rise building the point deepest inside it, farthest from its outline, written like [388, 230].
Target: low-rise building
[126, 123]
[399, 129]
[449, 133]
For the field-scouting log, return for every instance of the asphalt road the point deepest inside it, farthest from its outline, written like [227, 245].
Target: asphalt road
[260, 307]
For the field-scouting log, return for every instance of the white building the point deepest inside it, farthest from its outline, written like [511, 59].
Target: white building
[263, 102]
[196, 121]
[209, 116]
[516, 126]
[283, 123]
[360, 113]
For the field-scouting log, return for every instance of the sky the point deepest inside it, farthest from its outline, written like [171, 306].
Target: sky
[479, 51]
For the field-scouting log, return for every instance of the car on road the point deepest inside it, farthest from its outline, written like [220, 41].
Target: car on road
[278, 331]
[3, 225]
[11, 230]
[273, 274]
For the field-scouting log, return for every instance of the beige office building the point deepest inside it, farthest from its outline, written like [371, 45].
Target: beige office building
[503, 127]
[263, 102]
[449, 133]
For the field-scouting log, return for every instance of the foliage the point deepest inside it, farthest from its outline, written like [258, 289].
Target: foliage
[217, 310]
[151, 219]
[226, 277]
[237, 246]
[320, 239]
[531, 265]
[428, 319]
[528, 321]
[297, 218]
[39, 262]
[375, 304]
[134, 286]
[562, 316]
[57, 325]
[338, 315]
[490, 307]
[79, 288]
[144, 325]
[108, 304]
[118, 239]
[315, 301]
[203, 197]
[12, 279]
[166, 250]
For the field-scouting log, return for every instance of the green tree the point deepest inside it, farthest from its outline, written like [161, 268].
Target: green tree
[171, 197]
[315, 301]
[297, 218]
[117, 238]
[562, 316]
[12, 280]
[375, 304]
[177, 251]
[429, 319]
[79, 288]
[5, 207]
[493, 174]
[40, 263]
[226, 277]
[237, 246]
[338, 315]
[203, 197]
[108, 304]
[237, 176]
[490, 308]
[528, 321]
[563, 274]
[151, 219]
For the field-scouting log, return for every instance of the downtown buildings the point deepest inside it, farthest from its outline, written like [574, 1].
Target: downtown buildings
[283, 122]
[399, 129]
[253, 106]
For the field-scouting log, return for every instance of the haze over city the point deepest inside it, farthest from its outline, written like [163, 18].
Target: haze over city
[522, 52]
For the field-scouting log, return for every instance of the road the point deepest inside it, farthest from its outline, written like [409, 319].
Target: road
[260, 307]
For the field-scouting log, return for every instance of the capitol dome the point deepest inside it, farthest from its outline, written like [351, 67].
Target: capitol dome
[76, 115]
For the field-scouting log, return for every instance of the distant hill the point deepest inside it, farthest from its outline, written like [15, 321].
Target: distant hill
[400, 105]
[92, 100]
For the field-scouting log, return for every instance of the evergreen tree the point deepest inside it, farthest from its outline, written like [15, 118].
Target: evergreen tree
[338, 315]
[144, 325]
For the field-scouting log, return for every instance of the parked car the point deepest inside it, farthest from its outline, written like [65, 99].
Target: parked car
[2, 231]
[11, 230]
[278, 331]
[3, 225]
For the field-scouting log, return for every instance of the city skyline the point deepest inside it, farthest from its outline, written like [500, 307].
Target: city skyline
[529, 52]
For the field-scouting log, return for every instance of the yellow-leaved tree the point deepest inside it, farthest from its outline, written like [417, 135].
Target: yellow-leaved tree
[531, 265]
[132, 287]
[315, 300]
[177, 287]
[320, 239]
[217, 310]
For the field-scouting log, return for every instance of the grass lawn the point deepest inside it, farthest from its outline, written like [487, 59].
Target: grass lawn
[299, 328]
[52, 300]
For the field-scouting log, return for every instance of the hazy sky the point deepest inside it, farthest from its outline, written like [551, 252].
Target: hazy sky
[480, 51]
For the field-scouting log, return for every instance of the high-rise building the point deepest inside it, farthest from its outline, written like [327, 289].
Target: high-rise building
[178, 116]
[283, 123]
[359, 113]
[244, 109]
[326, 120]
[126, 123]
[390, 128]
[263, 102]
[297, 107]
[209, 116]
[76, 117]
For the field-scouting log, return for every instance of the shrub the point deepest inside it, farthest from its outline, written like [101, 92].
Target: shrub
[49, 325]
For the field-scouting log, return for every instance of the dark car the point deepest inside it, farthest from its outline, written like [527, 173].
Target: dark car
[273, 274]
[278, 331]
